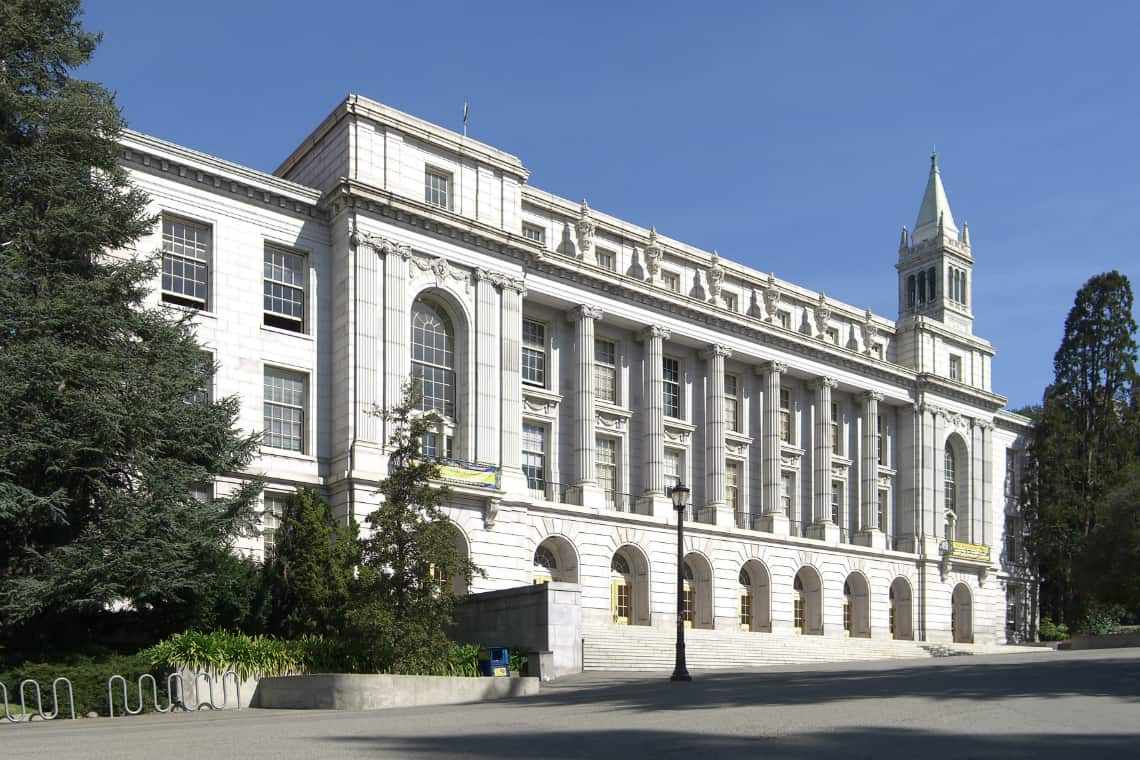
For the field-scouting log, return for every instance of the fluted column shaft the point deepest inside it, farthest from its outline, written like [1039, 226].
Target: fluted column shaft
[821, 505]
[396, 330]
[870, 516]
[654, 436]
[715, 470]
[584, 443]
[773, 476]
[487, 351]
[511, 408]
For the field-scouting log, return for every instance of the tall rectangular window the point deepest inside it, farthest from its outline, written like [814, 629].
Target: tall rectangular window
[671, 281]
[271, 517]
[788, 493]
[437, 188]
[955, 367]
[606, 467]
[785, 416]
[837, 502]
[605, 370]
[732, 403]
[534, 353]
[534, 457]
[285, 406]
[836, 440]
[674, 468]
[284, 287]
[533, 232]
[607, 259]
[884, 509]
[732, 485]
[186, 259]
[671, 388]
[1011, 472]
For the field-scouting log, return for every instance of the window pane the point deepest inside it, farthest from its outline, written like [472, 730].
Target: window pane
[185, 262]
[671, 374]
[433, 358]
[284, 286]
[534, 456]
[605, 371]
[534, 353]
[284, 407]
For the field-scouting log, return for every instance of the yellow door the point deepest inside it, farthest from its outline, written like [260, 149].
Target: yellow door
[620, 602]
[745, 611]
[847, 617]
[798, 613]
[688, 608]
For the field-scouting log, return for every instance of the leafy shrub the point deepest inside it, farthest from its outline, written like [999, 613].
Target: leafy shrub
[1102, 620]
[88, 678]
[1051, 631]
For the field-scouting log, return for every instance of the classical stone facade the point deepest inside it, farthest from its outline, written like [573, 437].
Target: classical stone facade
[851, 475]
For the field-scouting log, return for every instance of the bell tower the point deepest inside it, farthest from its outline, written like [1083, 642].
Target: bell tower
[935, 265]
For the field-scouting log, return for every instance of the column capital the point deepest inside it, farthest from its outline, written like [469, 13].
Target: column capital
[716, 350]
[770, 368]
[872, 396]
[825, 382]
[655, 331]
[585, 312]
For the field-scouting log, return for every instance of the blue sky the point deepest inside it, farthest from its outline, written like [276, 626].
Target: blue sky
[793, 138]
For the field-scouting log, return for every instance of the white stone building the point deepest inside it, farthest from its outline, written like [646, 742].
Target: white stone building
[851, 475]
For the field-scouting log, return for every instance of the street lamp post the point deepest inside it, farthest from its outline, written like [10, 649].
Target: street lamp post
[680, 495]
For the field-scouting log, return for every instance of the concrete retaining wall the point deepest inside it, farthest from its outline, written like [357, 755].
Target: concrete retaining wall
[543, 621]
[1111, 641]
[351, 691]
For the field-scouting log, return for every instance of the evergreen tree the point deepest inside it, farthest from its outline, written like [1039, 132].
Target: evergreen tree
[409, 561]
[312, 569]
[104, 430]
[1084, 442]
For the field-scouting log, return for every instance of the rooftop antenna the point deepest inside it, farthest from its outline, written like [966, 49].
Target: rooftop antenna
[465, 118]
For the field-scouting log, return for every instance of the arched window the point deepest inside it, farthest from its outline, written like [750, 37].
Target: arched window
[619, 565]
[544, 558]
[950, 480]
[922, 287]
[744, 578]
[433, 358]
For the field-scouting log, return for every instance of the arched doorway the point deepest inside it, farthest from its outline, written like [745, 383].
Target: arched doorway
[807, 602]
[856, 607]
[555, 560]
[755, 609]
[961, 615]
[698, 609]
[443, 580]
[900, 615]
[629, 586]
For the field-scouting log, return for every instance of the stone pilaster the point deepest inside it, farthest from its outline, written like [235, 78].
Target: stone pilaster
[487, 350]
[653, 490]
[715, 468]
[774, 520]
[585, 477]
[397, 356]
[510, 434]
[822, 527]
[986, 518]
[871, 532]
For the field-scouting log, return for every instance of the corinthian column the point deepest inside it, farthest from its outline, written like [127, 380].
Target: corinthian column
[823, 527]
[510, 409]
[396, 331]
[487, 354]
[774, 520]
[585, 477]
[653, 492]
[871, 533]
[715, 470]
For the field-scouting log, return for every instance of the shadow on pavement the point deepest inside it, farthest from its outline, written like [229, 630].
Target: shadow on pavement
[852, 744]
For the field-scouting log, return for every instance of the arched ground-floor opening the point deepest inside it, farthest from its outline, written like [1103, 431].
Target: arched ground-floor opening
[555, 560]
[629, 586]
[457, 584]
[961, 615]
[755, 602]
[900, 611]
[807, 602]
[856, 606]
[698, 591]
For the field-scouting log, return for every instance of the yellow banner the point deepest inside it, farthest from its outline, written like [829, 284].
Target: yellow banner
[970, 551]
[469, 475]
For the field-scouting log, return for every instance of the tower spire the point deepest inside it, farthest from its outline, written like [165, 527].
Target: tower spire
[934, 216]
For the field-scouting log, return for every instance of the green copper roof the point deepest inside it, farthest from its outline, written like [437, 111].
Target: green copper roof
[934, 206]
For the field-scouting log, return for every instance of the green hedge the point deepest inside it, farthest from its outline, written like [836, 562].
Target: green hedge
[88, 676]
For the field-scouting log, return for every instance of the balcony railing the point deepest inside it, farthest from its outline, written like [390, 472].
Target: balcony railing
[748, 521]
[706, 515]
[621, 502]
[796, 528]
[561, 493]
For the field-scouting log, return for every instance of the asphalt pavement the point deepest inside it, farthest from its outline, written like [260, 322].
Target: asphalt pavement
[1071, 705]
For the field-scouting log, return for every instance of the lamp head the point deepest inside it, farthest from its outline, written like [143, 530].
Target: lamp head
[680, 496]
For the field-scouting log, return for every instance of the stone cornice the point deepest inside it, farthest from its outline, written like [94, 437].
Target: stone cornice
[154, 156]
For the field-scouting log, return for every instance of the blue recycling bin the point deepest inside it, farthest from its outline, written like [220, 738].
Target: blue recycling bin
[495, 661]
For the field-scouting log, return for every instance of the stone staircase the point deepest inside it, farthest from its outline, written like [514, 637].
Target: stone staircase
[642, 648]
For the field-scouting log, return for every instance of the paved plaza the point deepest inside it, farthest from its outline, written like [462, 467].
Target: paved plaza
[1081, 705]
